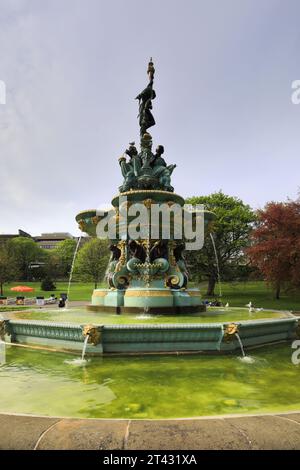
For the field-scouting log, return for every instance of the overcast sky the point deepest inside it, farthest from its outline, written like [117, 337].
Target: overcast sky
[72, 69]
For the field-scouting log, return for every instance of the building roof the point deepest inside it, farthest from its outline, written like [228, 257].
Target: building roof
[54, 236]
[21, 233]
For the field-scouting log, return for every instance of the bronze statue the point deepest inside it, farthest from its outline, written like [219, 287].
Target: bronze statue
[161, 170]
[145, 170]
[145, 98]
[130, 169]
[146, 118]
[151, 70]
[159, 250]
[137, 250]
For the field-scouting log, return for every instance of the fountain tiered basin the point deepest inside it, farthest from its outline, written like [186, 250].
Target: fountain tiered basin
[219, 330]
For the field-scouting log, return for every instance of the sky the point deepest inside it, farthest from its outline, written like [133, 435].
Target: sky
[72, 68]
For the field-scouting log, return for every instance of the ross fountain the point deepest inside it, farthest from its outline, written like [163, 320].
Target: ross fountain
[147, 278]
[147, 307]
[147, 271]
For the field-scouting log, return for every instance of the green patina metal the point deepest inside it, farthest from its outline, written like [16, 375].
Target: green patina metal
[144, 273]
[200, 337]
[148, 274]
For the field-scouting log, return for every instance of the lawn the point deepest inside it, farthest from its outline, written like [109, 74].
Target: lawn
[241, 293]
[237, 294]
[79, 290]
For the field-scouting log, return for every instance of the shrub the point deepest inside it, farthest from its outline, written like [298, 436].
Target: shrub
[48, 284]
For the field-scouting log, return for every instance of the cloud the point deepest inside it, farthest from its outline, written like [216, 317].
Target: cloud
[73, 68]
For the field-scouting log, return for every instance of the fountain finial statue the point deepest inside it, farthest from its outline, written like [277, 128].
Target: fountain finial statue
[145, 98]
[145, 169]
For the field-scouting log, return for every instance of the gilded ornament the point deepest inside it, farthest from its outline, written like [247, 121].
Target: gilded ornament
[93, 334]
[147, 203]
[230, 331]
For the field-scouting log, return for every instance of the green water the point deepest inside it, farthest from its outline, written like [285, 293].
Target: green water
[39, 382]
[79, 315]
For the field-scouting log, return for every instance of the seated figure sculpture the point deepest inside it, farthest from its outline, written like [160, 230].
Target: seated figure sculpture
[145, 170]
[114, 257]
[159, 250]
[130, 169]
[161, 170]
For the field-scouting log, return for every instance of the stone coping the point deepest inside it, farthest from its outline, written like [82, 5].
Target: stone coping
[231, 432]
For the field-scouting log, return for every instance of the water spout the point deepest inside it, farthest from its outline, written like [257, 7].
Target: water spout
[72, 267]
[84, 347]
[244, 358]
[217, 264]
[147, 262]
[241, 344]
[2, 353]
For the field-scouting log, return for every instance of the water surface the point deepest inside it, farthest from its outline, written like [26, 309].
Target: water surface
[81, 315]
[39, 382]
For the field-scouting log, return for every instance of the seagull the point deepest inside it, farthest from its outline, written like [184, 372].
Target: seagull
[227, 305]
[249, 304]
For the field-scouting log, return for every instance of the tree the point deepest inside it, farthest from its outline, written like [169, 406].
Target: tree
[92, 261]
[51, 269]
[8, 265]
[230, 230]
[275, 246]
[64, 252]
[26, 251]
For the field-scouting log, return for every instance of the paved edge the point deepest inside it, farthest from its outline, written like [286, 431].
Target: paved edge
[255, 432]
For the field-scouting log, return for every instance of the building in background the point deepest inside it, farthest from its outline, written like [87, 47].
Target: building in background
[47, 241]
[7, 236]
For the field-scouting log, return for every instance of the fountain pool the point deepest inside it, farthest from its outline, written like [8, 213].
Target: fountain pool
[160, 352]
[51, 384]
[80, 316]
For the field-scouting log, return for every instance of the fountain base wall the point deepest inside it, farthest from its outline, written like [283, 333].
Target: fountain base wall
[151, 338]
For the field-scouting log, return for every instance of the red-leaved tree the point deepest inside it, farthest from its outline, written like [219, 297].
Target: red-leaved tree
[275, 246]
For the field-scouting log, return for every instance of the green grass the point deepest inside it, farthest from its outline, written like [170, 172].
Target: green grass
[79, 290]
[237, 294]
[13, 308]
[240, 293]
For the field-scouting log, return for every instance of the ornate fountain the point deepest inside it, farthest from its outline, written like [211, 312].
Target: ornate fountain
[146, 272]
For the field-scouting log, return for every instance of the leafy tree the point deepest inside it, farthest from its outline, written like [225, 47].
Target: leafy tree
[52, 267]
[276, 244]
[8, 265]
[64, 251]
[230, 230]
[26, 251]
[92, 261]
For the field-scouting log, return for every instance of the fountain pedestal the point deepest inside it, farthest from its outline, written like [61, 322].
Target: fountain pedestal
[147, 269]
[146, 274]
[150, 300]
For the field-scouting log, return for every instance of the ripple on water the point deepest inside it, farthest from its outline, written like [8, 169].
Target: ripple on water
[247, 359]
[77, 362]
